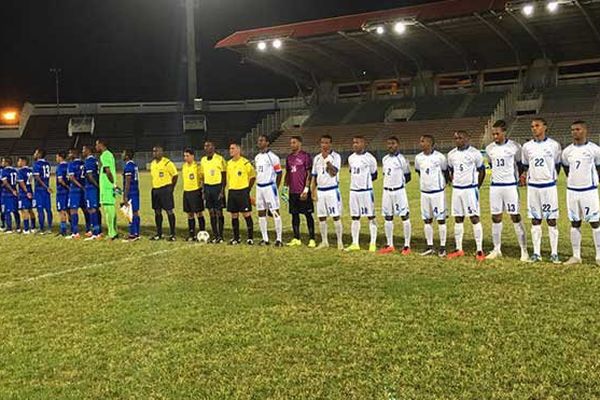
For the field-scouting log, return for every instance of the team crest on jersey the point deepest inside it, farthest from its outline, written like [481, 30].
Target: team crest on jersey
[192, 177]
[161, 174]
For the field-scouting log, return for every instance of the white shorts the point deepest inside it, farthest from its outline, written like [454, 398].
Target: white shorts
[329, 203]
[465, 202]
[362, 204]
[433, 206]
[542, 203]
[583, 206]
[394, 203]
[504, 198]
[267, 198]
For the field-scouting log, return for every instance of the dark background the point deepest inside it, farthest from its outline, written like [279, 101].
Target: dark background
[133, 50]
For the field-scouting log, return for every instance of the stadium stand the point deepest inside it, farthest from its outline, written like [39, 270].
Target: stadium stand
[483, 104]
[225, 127]
[566, 98]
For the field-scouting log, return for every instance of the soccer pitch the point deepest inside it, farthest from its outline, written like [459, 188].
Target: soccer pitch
[146, 320]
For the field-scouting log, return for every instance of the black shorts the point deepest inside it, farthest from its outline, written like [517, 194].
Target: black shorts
[162, 198]
[193, 202]
[299, 206]
[212, 194]
[239, 201]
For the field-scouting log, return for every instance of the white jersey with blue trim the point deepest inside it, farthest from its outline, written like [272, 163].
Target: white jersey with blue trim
[582, 161]
[362, 167]
[504, 160]
[541, 158]
[319, 170]
[465, 165]
[395, 167]
[431, 169]
[268, 166]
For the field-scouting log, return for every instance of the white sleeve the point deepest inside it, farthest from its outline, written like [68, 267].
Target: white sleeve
[373, 164]
[518, 153]
[443, 162]
[314, 167]
[557, 155]
[337, 161]
[478, 159]
[597, 155]
[417, 167]
[525, 156]
[565, 157]
[405, 166]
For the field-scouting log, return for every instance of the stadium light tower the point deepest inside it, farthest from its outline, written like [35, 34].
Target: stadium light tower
[192, 77]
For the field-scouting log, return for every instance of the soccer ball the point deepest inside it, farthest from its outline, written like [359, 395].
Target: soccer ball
[203, 237]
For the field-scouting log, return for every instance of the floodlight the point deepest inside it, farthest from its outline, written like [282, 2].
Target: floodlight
[400, 27]
[262, 45]
[277, 44]
[380, 30]
[528, 10]
[10, 116]
[552, 6]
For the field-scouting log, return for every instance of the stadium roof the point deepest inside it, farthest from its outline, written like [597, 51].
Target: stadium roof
[442, 37]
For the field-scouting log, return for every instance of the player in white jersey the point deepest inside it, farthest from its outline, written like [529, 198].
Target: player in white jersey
[504, 158]
[467, 172]
[363, 171]
[326, 192]
[432, 168]
[268, 179]
[396, 173]
[581, 162]
[542, 159]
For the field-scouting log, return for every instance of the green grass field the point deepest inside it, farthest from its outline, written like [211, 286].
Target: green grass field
[145, 320]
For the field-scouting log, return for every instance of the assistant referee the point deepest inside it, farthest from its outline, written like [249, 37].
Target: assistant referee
[240, 178]
[214, 173]
[164, 179]
[193, 200]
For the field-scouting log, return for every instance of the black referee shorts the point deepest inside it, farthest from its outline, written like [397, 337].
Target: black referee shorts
[212, 194]
[239, 201]
[299, 206]
[162, 198]
[193, 201]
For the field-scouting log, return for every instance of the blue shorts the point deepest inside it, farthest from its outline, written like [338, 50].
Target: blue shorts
[76, 199]
[92, 197]
[25, 204]
[9, 204]
[42, 199]
[62, 201]
[135, 201]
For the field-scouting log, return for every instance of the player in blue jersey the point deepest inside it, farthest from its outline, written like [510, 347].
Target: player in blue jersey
[25, 202]
[42, 197]
[76, 174]
[2, 224]
[62, 191]
[92, 192]
[131, 194]
[9, 193]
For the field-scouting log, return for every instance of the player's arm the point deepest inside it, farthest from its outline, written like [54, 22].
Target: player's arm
[7, 186]
[40, 182]
[75, 181]
[224, 185]
[127, 188]
[90, 177]
[23, 187]
[278, 171]
[481, 169]
[174, 175]
[374, 171]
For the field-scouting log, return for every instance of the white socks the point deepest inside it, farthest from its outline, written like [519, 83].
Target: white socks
[355, 228]
[338, 231]
[575, 242]
[373, 231]
[262, 223]
[521, 235]
[478, 235]
[536, 238]
[443, 229]
[553, 233]
[323, 229]
[278, 227]
[497, 236]
[388, 226]
[407, 232]
[428, 229]
[459, 230]
[596, 235]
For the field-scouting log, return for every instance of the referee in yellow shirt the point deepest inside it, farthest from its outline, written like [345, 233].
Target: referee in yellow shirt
[164, 179]
[240, 177]
[193, 199]
[214, 173]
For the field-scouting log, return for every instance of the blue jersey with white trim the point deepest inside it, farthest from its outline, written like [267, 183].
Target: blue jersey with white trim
[41, 168]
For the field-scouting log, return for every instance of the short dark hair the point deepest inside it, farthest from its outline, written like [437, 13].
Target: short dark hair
[500, 124]
[89, 147]
[462, 133]
[74, 150]
[296, 137]
[24, 159]
[266, 137]
[129, 153]
[361, 137]
[579, 122]
[209, 141]
[394, 138]
[430, 137]
[103, 142]
[158, 146]
[42, 152]
[62, 154]
[540, 119]
[328, 137]
[8, 160]
[189, 151]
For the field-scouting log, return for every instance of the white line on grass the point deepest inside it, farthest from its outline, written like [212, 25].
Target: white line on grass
[86, 267]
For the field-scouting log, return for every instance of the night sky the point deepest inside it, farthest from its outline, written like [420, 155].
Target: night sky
[132, 50]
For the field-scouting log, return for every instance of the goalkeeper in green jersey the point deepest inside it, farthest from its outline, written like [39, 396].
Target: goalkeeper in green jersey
[108, 187]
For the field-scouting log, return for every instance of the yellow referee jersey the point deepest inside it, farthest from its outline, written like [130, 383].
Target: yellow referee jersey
[239, 173]
[212, 169]
[162, 172]
[192, 177]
